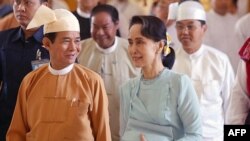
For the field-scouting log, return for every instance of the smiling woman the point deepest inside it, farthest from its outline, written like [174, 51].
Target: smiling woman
[154, 104]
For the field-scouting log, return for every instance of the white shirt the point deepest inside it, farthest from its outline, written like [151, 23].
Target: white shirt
[240, 103]
[115, 67]
[212, 76]
[221, 35]
[242, 7]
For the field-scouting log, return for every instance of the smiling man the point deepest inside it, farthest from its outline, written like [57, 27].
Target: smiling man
[60, 100]
[107, 54]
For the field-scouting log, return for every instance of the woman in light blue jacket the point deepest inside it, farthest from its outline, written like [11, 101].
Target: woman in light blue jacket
[160, 105]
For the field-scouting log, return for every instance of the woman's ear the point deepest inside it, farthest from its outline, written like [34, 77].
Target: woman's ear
[46, 43]
[159, 47]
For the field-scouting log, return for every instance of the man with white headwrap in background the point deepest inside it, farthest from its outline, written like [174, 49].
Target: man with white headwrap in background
[60, 100]
[209, 69]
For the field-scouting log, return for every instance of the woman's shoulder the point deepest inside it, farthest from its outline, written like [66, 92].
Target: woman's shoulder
[175, 76]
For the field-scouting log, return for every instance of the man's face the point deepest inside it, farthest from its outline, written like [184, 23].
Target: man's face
[103, 29]
[24, 10]
[190, 34]
[64, 50]
[220, 6]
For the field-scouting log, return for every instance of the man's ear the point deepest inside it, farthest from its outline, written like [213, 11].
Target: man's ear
[46, 43]
[117, 24]
[204, 28]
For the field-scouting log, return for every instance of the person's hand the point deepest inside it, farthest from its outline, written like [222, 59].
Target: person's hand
[142, 137]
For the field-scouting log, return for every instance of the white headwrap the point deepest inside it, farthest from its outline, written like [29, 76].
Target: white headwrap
[187, 10]
[54, 20]
[172, 11]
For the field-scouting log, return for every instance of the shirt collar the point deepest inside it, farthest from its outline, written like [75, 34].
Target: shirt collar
[107, 50]
[197, 53]
[194, 55]
[82, 13]
[38, 36]
[62, 71]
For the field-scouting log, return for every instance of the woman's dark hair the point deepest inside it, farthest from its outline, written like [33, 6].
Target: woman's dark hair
[112, 11]
[153, 28]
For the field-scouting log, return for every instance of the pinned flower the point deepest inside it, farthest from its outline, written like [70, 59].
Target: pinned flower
[166, 49]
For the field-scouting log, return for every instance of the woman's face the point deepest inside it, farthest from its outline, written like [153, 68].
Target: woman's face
[143, 51]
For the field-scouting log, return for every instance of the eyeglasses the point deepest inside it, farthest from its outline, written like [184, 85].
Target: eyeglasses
[191, 27]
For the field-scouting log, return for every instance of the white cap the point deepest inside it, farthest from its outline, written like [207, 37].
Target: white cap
[191, 10]
[172, 10]
[54, 20]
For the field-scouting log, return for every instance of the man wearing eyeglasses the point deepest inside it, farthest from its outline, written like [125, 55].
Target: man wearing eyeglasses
[209, 69]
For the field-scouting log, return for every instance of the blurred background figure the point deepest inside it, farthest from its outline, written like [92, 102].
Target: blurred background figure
[239, 113]
[220, 30]
[243, 7]
[5, 7]
[242, 29]
[242, 25]
[126, 9]
[7, 18]
[233, 7]
[162, 11]
[56, 4]
[82, 13]
[206, 4]
[72, 4]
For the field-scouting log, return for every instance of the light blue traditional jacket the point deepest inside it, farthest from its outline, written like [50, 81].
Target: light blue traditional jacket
[163, 109]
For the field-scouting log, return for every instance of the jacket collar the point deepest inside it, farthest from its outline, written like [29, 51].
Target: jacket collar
[38, 36]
